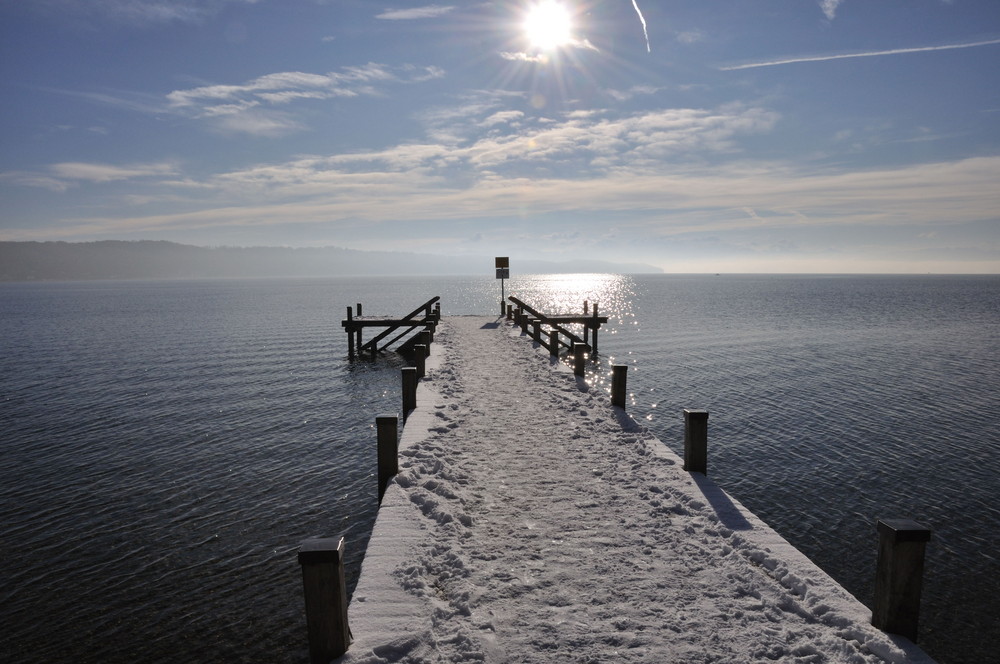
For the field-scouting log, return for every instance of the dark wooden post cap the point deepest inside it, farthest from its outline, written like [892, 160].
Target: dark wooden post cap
[903, 530]
[321, 550]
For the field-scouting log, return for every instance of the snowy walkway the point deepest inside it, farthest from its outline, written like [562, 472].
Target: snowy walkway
[532, 522]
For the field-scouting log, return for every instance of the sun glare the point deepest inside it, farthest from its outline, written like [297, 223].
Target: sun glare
[548, 25]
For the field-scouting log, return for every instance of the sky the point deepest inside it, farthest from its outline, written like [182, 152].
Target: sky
[696, 136]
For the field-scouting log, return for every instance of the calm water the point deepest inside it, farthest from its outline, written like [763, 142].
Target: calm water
[164, 446]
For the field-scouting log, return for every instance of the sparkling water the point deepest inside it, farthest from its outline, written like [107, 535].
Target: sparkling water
[165, 446]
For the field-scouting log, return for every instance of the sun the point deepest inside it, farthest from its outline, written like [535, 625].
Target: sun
[548, 25]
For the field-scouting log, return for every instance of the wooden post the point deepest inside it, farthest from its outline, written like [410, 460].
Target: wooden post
[536, 330]
[619, 374]
[579, 358]
[350, 335]
[554, 342]
[359, 310]
[322, 562]
[510, 312]
[420, 359]
[899, 576]
[597, 326]
[409, 390]
[387, 428]
[585, 307]
[696, 441]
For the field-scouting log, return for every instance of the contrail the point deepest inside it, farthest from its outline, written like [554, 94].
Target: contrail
[643, 21]
[895, 51]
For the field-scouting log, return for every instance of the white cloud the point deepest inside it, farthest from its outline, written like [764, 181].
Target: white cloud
[867, 54]
[502, 117]
[63, 176]
[519, 56]
[829, 7]
[673, 202]
[282, 89]
[428, 11]
[690, 36]
[267, 124]
[39, 180]
[624, 95]
[108, 173]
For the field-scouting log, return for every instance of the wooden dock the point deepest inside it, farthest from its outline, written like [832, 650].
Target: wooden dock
[425, 316]
[557, 335]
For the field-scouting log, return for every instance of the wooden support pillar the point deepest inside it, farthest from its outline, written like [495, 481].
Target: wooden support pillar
[322, 562]
[696, 441]
[580, 358]
[597, 326]
[510, 312]
[409, 390]
[536, 330]
[350, 334]
[387, 428]
[899, 576]
[359, 310]
[619, 373]
[420, 359]
[554, 342]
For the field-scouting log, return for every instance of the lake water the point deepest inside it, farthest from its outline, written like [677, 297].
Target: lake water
[165, 446]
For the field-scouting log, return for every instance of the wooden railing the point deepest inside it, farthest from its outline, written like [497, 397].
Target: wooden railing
[426, 316]
[563, 337]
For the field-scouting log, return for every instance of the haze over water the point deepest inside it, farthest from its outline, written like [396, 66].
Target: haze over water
[164, 446]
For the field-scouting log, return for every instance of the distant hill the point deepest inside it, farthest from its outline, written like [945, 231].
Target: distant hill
[148, 259]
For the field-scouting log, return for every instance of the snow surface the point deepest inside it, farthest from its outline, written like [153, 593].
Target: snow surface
[531, 521]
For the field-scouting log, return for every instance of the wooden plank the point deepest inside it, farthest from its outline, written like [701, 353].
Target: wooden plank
[582, 320]
[384, 322]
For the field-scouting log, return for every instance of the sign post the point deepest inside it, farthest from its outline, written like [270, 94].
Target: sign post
[503, 272]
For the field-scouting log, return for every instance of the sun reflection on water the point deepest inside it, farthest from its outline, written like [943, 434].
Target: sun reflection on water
[613, 294]
[566, 293]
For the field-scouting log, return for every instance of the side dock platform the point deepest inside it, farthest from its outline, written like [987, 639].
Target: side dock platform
[531, 521]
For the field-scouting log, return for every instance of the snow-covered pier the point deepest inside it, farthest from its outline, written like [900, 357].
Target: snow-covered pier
[531, 521]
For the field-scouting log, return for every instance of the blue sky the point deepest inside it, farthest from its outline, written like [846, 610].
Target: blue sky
[695, 135]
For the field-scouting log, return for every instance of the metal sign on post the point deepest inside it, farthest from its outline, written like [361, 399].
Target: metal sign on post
[503, 272]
